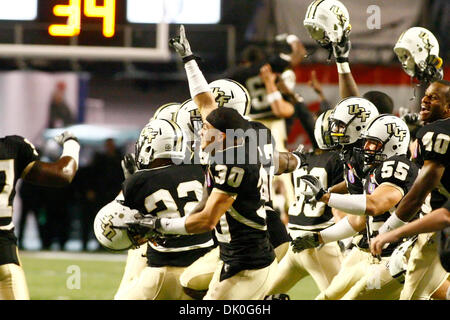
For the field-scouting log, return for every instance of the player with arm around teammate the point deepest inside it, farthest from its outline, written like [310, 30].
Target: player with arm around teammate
[389, 176]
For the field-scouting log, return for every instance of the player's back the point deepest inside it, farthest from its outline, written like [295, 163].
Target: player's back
[170, 191]
[15, 155]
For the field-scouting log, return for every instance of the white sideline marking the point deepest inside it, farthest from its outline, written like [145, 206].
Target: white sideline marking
[64, 255]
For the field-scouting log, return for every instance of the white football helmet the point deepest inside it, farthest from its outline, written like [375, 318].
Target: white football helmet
[166, 111]
[418, 51]
[327, 21]
[389, 134]
[322, 131]
[159, 139]
[110, 226]
[189, 119]
[350, 117]
[231, 94]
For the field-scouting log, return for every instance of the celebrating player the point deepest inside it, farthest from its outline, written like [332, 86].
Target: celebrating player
[19, 159]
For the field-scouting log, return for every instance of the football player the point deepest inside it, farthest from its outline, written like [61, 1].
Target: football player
[389, 176]
[269, 105]
[19, 159]
[162, 188]
[324, 263]
[136, 258]
[426, 278]
[247, 257]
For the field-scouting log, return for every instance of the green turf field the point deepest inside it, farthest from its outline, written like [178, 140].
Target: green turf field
[52, 276]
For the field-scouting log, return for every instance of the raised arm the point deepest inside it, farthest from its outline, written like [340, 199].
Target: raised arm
[60, 172]
[347, 84]
[198, 86]
[280, 107]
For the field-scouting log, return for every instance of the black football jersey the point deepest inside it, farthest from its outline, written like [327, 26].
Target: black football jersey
[433, 144]
[266, 149]
[242, 230]
[397, 171]
[16, 153]
[328, 168]
[169, 192]
[353, 173]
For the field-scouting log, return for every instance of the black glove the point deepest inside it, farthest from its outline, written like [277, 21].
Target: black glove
[65, 136]
[341, 50]
[306, 241]
[144, 226]
[299, 153]
[317, 190]
[433, 71]
[128, 164]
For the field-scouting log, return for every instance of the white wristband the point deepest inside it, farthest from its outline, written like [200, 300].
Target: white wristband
[71, 148]
[299, 161]
[196, 80]
[393, 222]
[290, 39]
[343, 67]
[173, 225]
[350, 203]
[274, 96]
[341, 230]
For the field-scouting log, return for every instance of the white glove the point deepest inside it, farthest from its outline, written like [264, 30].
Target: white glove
[65, 136]
[397, 261]
[181, 44]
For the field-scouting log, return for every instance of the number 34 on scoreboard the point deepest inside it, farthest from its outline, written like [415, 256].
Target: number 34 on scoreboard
[73, 13]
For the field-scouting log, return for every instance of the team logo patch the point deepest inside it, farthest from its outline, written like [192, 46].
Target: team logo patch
[360, 112]
[220, 96]
[393, 129]
[371, 187]
[351, 176]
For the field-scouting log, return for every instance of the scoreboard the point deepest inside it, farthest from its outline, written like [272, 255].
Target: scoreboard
[67, 18]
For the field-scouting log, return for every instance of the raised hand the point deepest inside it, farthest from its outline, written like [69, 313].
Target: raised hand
[181, 44]
[65, 136]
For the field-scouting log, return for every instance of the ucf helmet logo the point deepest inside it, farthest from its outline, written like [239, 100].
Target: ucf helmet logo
[149, 134]
[108, 231]
[339, 14]
[360, 112]
[220, 96]
[394, 130]
[426, 40]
